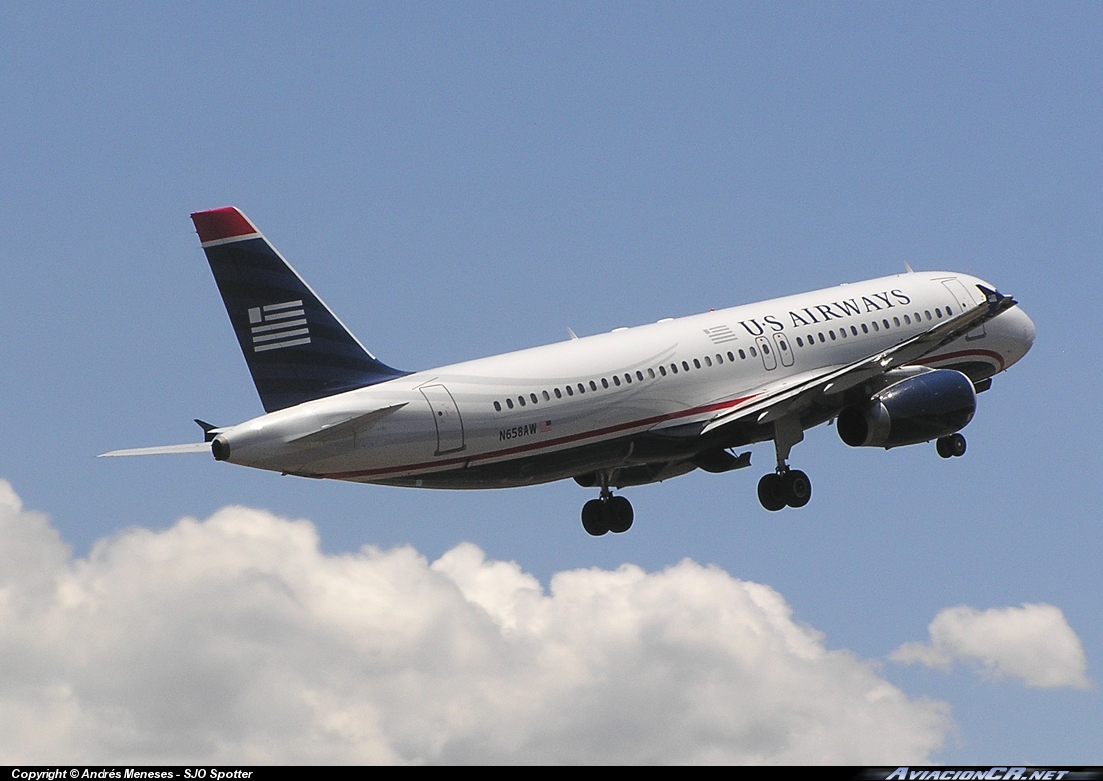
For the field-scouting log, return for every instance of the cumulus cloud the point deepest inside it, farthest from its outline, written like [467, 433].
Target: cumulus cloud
[1033, 642]
[235, 639]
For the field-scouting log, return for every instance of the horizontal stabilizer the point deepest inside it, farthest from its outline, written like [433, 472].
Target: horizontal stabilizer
[162, 450]
[347, 427]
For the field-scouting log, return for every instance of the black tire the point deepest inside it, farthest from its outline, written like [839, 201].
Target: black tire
[593, 518]
[771, 493]
[955, 444]
[618, 515]
[798, 488]
[942, 446]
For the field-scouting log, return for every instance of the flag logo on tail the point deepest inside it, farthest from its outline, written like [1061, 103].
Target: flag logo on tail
[278, 325]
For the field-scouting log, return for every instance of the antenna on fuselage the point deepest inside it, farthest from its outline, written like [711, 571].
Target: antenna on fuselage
[571, 333]
[908, 267]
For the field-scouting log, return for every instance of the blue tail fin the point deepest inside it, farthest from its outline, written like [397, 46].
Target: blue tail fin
[296, 348]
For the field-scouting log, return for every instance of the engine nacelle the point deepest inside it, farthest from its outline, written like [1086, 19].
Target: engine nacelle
[917, 409]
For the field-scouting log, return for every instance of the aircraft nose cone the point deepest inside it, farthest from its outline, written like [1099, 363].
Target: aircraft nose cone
[1020, 328]
[1026, 329]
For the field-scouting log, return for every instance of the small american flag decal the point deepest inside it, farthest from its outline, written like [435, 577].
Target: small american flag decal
[276, 326]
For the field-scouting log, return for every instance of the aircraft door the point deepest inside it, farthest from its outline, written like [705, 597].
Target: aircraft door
[784, 350]
[446, 416]
[769, 357]
[964, 301]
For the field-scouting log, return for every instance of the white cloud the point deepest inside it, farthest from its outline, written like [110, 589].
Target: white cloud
[1033, 642]
[236, 640]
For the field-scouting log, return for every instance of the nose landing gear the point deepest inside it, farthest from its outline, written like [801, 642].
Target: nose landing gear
[608, 513]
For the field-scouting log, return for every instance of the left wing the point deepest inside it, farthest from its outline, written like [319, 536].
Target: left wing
[794, 397]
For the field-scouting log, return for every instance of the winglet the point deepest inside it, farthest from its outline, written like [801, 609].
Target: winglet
[224, 224]
[997, 301]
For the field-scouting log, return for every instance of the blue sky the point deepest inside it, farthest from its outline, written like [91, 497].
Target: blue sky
[467, 180]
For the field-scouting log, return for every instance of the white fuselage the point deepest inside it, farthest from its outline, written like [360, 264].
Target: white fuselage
[599, 402]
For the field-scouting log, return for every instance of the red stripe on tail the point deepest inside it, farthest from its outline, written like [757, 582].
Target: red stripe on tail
[224, 223]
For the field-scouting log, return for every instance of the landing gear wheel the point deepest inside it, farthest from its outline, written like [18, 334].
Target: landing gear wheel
[618, 514]
[593, 518]
[771, 492]
[952, 446]
[796, 487]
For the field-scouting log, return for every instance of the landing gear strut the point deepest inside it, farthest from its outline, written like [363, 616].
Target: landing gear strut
[952, 446]
[608, 513]
[785, 486]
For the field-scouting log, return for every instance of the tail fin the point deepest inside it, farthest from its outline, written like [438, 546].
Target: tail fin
[296, 348]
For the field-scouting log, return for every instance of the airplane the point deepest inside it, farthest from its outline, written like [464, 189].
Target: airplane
[892, 361]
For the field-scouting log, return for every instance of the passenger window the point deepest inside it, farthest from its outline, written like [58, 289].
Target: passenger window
[593, 385]
[742, 355]
[696, 364]
[651, 373]
[497, 407]
[938, 313]
[875, 326]
[853, 330]
[559, 395]
[628, 378]
[604, 383]
[949, 311]
[708, 361]
[685, 366]
[616, 380]
[753, 353]
[570, 390]
[800, 342]
[546, 396]
[842, 332]
[831, 333]
[927, 312]
[907, 320]
[732, 357]
[509, 403]
[896, 321]
[674, 368]
[886, 324]
[534, 399]
[918, 319]
[865, 329]
[521, 400]
[639, 375]
[662, 370]
[720, 359]
[765, 349]
[822, 339]
[581, 389]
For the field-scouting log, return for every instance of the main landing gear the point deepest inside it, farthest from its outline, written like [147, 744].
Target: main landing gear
[608, 513]
[790, 487]
[952, 446]
[785, 486]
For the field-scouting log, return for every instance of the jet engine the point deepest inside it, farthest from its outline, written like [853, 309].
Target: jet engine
[917, 409]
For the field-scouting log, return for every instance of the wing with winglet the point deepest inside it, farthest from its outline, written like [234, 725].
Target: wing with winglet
[798, 393]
